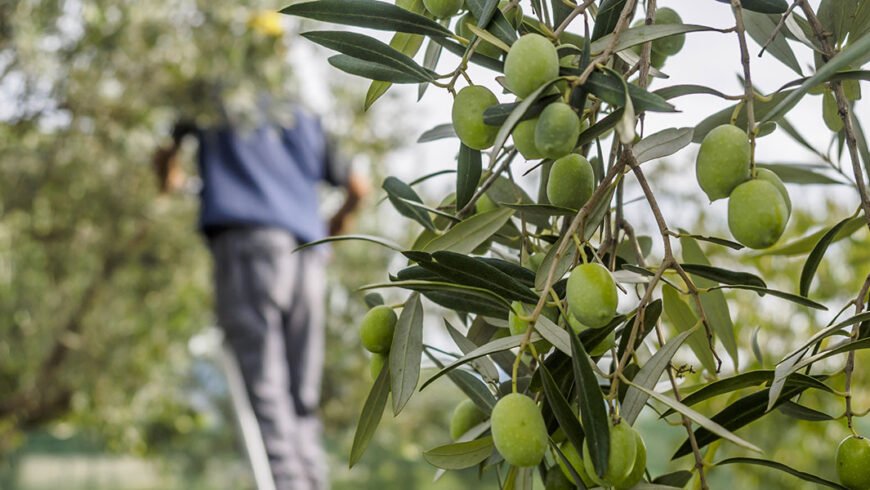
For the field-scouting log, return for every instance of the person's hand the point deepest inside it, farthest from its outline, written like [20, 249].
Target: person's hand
[357, 188]
[170, 177]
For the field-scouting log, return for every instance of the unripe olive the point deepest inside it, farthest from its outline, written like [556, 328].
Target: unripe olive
[519, 326]
[723, 161]
[623, 450]
[468, 107]
[376, 329]
[757, 214]
[442, 9]
[534, 261]
[465, 416]
[637, 471]
[830, 112]
[853, 462]
[412, 5]
[514, 15]
[770, 176]
[571, 182]
[518, 430]
[573, 456]
[557, 130]
[599, 349]
[524, 139]
[531, 62]
[483, 47]
[591, 295]
[485, 204]
[377, 364]
[670, 45]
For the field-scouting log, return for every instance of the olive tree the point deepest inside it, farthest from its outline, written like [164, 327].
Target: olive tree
[567, 323]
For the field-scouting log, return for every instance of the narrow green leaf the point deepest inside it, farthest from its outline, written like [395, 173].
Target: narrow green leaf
[784, 468]
[816, 256]
[764, 6]
[699, 419]
[404, 43]
[473, 271]
[545, 210]
[492, 20]
[425, 286]
[369, 49]
[368, 13]
[714, 303]
[601, 127]
[649, 375]
[496, 115]
[760, 27]
[801, 174]
[608, 18]
[802, 412]
[471, 232]
[678, 479]
[827, 332]
[593, 410]
[397, 192]
[736, 415]
[365, 238]
[724, 276]
[372, 70]
[850, 54]
[610, 88]
[476, 58]
[482, 365]
[562, 410]
[405, 352]
[761, 107]
[806, 244]
[372, 411]
[662, 144]
[559, 337]
[468, 174]
[684, 319]
[794, 298]
[675, 91]
[440, 131]
[430, 62]
[718, 241]
[726, 385]
[635, 36]
[460, 455]
[498, 345]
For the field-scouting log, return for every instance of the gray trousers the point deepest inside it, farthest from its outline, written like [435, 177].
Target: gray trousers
[270, 304]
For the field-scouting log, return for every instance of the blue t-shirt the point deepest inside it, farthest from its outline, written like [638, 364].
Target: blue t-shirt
[267, 176]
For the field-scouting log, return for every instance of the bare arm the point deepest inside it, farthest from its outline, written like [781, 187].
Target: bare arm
[170, 176]
[357, 189]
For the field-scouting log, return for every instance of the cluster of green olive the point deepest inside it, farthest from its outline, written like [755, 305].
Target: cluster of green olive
[376, 333]
[758, 205]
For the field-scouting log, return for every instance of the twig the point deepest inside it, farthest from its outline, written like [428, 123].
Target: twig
[574, 13]
[748, 93]
[850, 362]
[779, 26]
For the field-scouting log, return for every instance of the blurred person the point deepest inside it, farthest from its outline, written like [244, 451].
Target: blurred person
[258, 202]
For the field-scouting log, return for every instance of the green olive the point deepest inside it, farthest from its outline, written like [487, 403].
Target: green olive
[768, 175]
[723, 161]
[524, 139]
[591, 295]
[376, 329]
[465, 416]
[571, 182]
[468, 107]
[531, 62]
[757, 214]
[518, 430]
[557, 130]
[853, 462]
[670, 45]
[573, 456]
[623, 451]
[443, 9]
[483, 47]
[637, 470]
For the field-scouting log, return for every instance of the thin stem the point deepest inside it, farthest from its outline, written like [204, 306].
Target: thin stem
[574, 13]
[850, 362]
[748, 95]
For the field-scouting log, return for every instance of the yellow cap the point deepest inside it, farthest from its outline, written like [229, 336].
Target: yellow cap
[267, 23]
